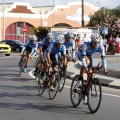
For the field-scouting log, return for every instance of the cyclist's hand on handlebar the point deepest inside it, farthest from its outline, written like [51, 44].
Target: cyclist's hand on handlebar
[106, 72]
[74, 60]
[89, 71]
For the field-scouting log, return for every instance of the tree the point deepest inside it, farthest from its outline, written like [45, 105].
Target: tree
[108, 18]
[41, 32]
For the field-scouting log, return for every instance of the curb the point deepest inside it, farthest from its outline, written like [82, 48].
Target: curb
[104, 82]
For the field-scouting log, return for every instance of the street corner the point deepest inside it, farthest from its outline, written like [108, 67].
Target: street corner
[115, 84]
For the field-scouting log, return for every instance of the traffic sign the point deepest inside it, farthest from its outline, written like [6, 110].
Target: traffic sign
[24, 29]
[105, 30]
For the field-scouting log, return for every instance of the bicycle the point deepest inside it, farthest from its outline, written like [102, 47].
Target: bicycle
[47, 82]
[63, 72]
[23, 62]
[38, 73]
[36, 62]
[92, 89]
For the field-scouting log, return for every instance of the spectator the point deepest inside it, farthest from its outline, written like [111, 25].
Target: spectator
[85, 39]
[110, 43]
[117, 39]
[77, 42]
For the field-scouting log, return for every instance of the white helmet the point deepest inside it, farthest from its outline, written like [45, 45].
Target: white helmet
[95, 37]
[60, 39]
[50, 35]
[34, 38]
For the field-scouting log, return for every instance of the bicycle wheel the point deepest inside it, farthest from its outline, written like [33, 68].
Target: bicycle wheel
[41, 86]
[75, 94]
[39, 71]
[62, 79]
[55, 84]
[23, 63]
[37, 60]
[94, 95]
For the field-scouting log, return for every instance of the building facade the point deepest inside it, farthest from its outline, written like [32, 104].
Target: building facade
[18, 15]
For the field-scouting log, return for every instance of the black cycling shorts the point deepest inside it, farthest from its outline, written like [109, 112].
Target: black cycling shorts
[28, 49]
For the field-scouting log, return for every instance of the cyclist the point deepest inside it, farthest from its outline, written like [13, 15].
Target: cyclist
[54, 51]
[30, 49]
[45, 43]
[85, 55]
[69, 42]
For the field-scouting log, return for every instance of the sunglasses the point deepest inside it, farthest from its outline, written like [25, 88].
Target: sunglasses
[95, 42]
[60, 43]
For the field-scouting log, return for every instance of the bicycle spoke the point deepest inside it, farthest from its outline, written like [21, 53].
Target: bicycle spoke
[62, 80]
[54, 90]
[94, 96]
[75, 95]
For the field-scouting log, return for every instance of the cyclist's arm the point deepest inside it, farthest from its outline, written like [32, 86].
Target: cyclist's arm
[84, 48]
[23, 49]
[73, 49]
[48, 51]
[25, 46]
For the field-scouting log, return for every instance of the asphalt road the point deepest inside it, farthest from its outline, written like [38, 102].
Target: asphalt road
[19, 98]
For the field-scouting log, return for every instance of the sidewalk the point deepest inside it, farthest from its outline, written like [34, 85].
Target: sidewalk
[113, 80]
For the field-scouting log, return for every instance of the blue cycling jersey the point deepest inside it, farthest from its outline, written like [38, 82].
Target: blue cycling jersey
[45, 42]
[32, 46]
[70, 44]
[88, 50]
[45, 45]
[55, 51]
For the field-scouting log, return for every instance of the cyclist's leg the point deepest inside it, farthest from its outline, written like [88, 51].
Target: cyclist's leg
[54, 59]
[22, 56]
[28, 51]
[38, 63]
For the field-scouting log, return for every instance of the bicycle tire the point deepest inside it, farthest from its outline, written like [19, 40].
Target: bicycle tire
[41, 87]
[37, 60]
[75, 95]
[62, 79]
[39, 71]
[22, 65]
[95, 91]
[55, 84]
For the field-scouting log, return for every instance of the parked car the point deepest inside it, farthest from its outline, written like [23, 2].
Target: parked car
[15, 45]
[5, 49]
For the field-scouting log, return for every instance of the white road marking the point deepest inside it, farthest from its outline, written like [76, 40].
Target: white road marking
[30, 73]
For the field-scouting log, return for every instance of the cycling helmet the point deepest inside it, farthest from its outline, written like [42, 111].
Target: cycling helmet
[30, 36]
[50, 35]
[33, 38]
[78, 35]
[95, 37]
[60, 38]
[69, 35]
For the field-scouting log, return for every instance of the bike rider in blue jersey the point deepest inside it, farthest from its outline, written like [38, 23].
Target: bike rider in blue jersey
[54, 51]
[45, 43]
[85, 55]
[69, 42]
[29, 48]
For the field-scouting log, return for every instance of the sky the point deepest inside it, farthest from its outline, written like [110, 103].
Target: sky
[102, 3]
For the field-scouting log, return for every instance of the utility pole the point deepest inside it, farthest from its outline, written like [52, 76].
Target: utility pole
[53, 12]
[82, 13]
